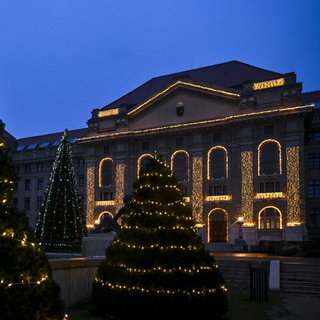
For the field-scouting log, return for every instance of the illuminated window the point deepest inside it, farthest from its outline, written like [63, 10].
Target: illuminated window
[314, 160]
[314, 217]
[102, 215]
[217, 163]
[180, 165]
[269, 154]
[142, 161]
[314, 189]
[270, 218]
[106, 172]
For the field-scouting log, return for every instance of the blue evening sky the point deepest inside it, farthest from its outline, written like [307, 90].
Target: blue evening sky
[59, 59]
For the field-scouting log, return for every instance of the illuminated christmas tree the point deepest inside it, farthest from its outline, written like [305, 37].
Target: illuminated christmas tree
[61, 222]
[27, 290]
[157, 266]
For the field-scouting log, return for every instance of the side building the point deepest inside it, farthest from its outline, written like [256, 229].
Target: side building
[238, 138]
[33, 158]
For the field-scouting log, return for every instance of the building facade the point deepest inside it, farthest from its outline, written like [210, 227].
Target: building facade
[243, 142]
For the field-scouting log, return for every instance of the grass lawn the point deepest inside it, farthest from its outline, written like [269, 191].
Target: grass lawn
[240, 308]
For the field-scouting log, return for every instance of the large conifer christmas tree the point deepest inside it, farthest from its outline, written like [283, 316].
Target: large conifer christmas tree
[26, 288]
[157, 266]
[61, 222]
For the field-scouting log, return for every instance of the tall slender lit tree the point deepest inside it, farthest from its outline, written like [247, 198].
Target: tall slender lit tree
[27, 290]
[61, 221]
[157, 266]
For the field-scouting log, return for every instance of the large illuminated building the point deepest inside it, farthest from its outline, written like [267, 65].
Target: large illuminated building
[243, 142]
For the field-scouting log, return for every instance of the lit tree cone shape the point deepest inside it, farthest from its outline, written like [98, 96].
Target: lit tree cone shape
[27, 290]
[61, 222]
[157, 266]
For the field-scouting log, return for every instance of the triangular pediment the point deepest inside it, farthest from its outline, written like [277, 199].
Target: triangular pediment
[183, 102]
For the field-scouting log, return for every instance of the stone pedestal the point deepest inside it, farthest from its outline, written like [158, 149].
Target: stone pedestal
[95, 244]
[250, 235]
[293, 234]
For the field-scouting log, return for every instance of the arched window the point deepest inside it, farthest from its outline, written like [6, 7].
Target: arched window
[180, 165]
[102, 215]
[217, 225]
[269, 157]
[106, 172]
[270, 218]
[142, 161]
[217, 163]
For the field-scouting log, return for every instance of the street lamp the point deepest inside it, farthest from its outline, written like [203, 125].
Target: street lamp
[240, 222]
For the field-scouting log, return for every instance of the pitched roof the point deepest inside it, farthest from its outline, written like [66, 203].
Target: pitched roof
[229, 74]
[52, 137]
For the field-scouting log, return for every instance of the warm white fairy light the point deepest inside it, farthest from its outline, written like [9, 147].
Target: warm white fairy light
[247, 187]
[120, 185]
[219, 198]
[197, 188]
[269, 195]
[293, 186]
[101, 169]
[272, 207]
[212, 212]
[90, 194]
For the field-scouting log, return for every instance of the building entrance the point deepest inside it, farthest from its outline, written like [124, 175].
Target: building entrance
[218, 226]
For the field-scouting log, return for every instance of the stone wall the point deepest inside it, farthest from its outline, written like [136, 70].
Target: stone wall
[75, 278]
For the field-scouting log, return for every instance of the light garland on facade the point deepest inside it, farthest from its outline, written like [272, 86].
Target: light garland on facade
[160, 291]
[177, 84]
[105, 203]
[269, 195]
[186, 199]
[247, 187]
[268, 84]
[209, 161]
[120, 171]
[108, 113]
[139, 162]
[293, 186]
[90, 195]
[188, 159]
[279, 154]
[100, 169]
[273, 207]
[219, 198]
[197, 188]
[198, 123]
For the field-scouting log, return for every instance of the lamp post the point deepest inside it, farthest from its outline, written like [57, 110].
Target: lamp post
[240, 223]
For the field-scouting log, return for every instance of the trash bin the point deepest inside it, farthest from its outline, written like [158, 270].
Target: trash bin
[259, 281]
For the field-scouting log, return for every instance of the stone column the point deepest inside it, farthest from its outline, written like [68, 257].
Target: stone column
[120, 187]
[91, 172]
[197, 187]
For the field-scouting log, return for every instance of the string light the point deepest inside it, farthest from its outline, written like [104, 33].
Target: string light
[269, 195]
[273, 207]
[108, 113]
[293, 185]
[10, 235]
[160, 291]
[198, 123]
[90, 195]
[100, 169]
[209, 217]
[194, 269]
[247, 186]
[219, 198]
[197, 188]
[186, 84]
[38, 282]
[105, 203]
[268, 84]
[139, 162]
[120, 170]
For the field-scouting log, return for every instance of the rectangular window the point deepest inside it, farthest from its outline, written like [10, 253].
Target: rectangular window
[217, 191]
[268, 130]
[210, 191]
[27, 185]
[40, 184]
[81, 198]
[27, 203]
[40, 166]
[262, 187]
[314, 137]
[277, 186]
[81, 180]
[80, 162]
[314, 160]
[314, 189]
[179, 142]
[269, 187]
[145, 146]
[39, 202]
[27, 167]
